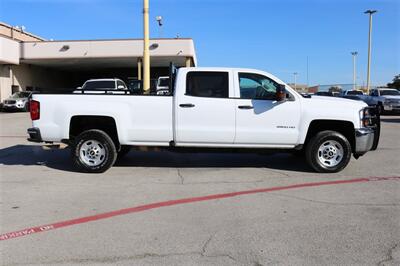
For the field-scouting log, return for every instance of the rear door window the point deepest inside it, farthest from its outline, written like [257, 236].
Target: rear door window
[207, 84]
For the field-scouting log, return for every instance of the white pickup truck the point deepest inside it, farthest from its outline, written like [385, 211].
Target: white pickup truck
[213, 108]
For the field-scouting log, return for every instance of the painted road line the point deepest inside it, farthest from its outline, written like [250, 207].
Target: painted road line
[57, 225]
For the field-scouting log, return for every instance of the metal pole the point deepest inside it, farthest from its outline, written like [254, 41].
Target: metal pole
[370, 12]
[146, 52]
[354, 54]
[308, 84]
[188, 62]
[139, 69]
[354, 72]
[295, 75]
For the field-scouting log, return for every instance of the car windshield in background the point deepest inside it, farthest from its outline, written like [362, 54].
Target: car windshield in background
[354, 93]
[21, 94]
[164, 83]
[389, 92]
[99, 85]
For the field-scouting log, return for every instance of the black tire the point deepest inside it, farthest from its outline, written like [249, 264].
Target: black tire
[123, 152]
[336, 143]
[105, 144]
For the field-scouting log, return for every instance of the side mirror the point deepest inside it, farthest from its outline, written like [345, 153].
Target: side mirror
[281, 93]
[121, 87]
[78, 88]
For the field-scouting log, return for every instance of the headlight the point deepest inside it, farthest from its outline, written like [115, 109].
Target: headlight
[365, 117]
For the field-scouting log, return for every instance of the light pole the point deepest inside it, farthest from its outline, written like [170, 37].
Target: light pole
[295, 77]
[370, 12]
[160, 23]
[146, 53]
[354, 54]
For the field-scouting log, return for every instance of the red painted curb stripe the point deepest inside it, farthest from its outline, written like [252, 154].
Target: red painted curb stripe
[101, 216]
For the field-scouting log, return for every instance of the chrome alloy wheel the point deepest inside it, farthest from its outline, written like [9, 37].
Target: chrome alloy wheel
[92, 153]
[330, 153]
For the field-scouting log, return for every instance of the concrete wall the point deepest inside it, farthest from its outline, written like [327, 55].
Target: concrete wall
[39, 77]
[5, 81]
[9, 51]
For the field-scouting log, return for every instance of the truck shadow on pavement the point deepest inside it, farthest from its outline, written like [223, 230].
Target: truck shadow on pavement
[59, 159]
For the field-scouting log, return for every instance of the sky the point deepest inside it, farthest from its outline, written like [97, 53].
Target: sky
[276, 36]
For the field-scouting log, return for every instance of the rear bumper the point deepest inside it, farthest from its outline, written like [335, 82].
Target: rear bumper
[34, 135]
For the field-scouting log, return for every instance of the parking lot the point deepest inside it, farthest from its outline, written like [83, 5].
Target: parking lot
[161, 208]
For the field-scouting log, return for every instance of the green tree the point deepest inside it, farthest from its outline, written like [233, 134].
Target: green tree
[396, 83]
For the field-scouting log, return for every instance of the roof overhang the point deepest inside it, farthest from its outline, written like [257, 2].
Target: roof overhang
[106, 53]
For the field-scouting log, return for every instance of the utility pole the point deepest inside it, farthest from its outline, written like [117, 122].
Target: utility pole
[295, 77]
[370, 12]
[308, 84]
[354, 54]
[146, 52]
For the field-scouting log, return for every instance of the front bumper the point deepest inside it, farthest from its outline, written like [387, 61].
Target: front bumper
[367, 138]
[34, 135]
[364, 140]
[13, 106]
[395, 107]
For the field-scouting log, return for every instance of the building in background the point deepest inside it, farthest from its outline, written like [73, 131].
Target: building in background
[29, 62]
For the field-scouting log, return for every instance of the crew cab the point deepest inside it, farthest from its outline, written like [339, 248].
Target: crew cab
[208, 108]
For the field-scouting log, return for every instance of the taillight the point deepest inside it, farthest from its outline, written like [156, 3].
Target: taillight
[34, 107]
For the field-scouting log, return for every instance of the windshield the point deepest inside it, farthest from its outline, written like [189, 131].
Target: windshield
[163, 82]
[389, 92]
[99, 85]
[21, 94]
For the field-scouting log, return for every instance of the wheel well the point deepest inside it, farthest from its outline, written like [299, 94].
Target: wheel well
[107, 124]
[345, 128]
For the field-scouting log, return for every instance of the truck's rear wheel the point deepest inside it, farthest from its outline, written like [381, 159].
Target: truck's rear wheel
[328, 152]
[94, 151]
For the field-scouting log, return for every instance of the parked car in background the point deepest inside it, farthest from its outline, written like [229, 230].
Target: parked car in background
[387, 100]
[100, 86]
[19, 101]
[352, 92]
[163, 86]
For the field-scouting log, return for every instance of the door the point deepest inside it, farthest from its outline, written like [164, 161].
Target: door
[204, 113]
[260, 119]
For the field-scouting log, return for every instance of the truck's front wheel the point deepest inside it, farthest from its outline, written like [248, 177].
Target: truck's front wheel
[328, 152]
[94, 151]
